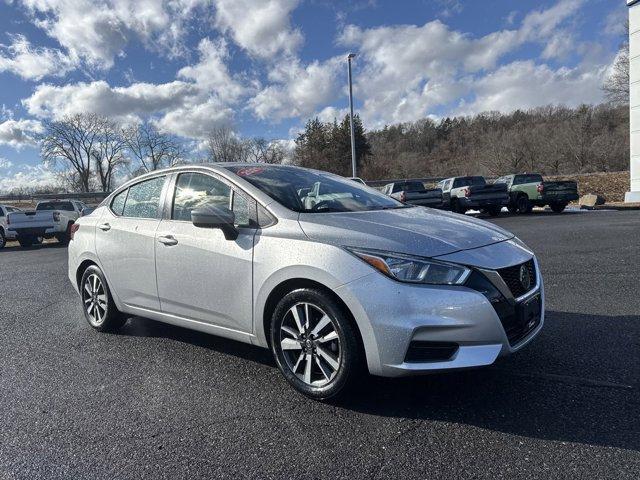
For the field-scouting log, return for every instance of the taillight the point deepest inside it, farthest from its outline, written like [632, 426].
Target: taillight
[540, 188]
[467, 192]
[72, 231]
[56, 216]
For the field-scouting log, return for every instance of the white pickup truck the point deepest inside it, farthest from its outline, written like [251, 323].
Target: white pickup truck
[5, 235]
[51, 218]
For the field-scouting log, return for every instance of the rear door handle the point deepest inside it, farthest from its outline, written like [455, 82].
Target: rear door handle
[104, 227]
[168, 240]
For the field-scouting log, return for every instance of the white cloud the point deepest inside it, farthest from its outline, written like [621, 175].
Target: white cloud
[405, 71]
[19, 133]
[28, 177]
[262, 27]
[5, 164]
[296, 90]
[523, 85]
[121, 103]
[32, 63]
[97, 31]
[211, 72]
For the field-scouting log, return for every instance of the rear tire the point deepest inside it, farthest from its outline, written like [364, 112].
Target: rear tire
[494, 211]
[3, 239]
[315, 344]
[97, 303]
[512, 208]
[456, 208]
[523, 205]
[26, 242]
[558, 207]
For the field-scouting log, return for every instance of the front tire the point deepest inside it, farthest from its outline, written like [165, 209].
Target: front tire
[315, 344]
[97, 304]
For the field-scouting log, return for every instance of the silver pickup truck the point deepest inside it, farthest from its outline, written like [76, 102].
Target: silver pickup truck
[51, 218]
[413, 192]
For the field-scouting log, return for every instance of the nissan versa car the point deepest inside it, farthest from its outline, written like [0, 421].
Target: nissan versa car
[331, 275]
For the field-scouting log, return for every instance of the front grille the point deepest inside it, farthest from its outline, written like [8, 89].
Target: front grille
[511, 276]
[518, 320]
[420, 351]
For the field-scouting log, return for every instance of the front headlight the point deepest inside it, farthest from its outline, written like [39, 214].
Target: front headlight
[410, 269]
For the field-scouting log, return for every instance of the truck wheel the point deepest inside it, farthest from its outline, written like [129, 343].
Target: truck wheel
[494, 211]
[523, 204]
[456, 208]
[26, 242]
[512, 208]
[98, 306]
[3, 239]
[558, 207]
[64, 238]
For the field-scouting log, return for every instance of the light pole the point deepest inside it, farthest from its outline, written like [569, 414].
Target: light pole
[353, 135]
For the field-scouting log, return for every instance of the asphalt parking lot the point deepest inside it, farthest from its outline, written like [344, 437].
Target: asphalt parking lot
[157, 401]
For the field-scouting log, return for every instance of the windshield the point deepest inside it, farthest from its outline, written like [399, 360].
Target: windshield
[304, 190]
[68, 206]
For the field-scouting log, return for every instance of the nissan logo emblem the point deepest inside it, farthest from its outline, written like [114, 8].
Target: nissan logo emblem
[525, 277]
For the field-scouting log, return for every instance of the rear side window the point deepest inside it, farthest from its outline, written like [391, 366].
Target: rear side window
[195, 190]
[1, 212]
[117, 204]
[144, 199]
[531, 178]
[66, 206]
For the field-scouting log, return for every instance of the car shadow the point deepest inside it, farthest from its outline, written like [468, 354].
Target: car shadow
[578, 382]
[143, 327]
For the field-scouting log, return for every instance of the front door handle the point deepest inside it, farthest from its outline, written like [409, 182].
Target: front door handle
[104, 227]
[168, 240]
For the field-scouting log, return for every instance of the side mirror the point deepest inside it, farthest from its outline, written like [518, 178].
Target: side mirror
[211, 216]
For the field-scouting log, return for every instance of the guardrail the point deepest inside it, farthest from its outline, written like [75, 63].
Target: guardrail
[97, 196]
[382, 183]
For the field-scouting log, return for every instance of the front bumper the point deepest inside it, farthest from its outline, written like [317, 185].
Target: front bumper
[391, 315]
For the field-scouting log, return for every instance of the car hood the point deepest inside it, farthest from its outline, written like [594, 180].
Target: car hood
[414, 231]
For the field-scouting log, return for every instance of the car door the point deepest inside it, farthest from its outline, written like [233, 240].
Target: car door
[125, 243]
[201, 275]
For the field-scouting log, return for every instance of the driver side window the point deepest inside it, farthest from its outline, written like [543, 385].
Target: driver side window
[195, 190]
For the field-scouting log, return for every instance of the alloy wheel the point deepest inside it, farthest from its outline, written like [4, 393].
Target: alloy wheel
[310, 344]
[94, 297]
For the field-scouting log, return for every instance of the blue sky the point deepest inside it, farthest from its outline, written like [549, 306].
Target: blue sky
[265, 66]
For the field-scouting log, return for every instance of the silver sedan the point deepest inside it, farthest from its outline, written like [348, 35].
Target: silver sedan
[334, 277]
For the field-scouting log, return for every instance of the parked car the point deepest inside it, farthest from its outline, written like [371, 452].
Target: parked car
[51, 218]
[527, 190]
[413, 192]
[5, 234]
[474, 193]
[356, 281]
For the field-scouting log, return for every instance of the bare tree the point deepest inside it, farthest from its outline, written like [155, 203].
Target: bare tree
[616, 86]
[70, 142]
[262, 150]
[223, 145]
[152, 148]
[108, 152]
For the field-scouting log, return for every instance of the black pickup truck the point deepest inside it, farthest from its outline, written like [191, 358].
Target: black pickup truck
[413, 192]
[474, 193]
